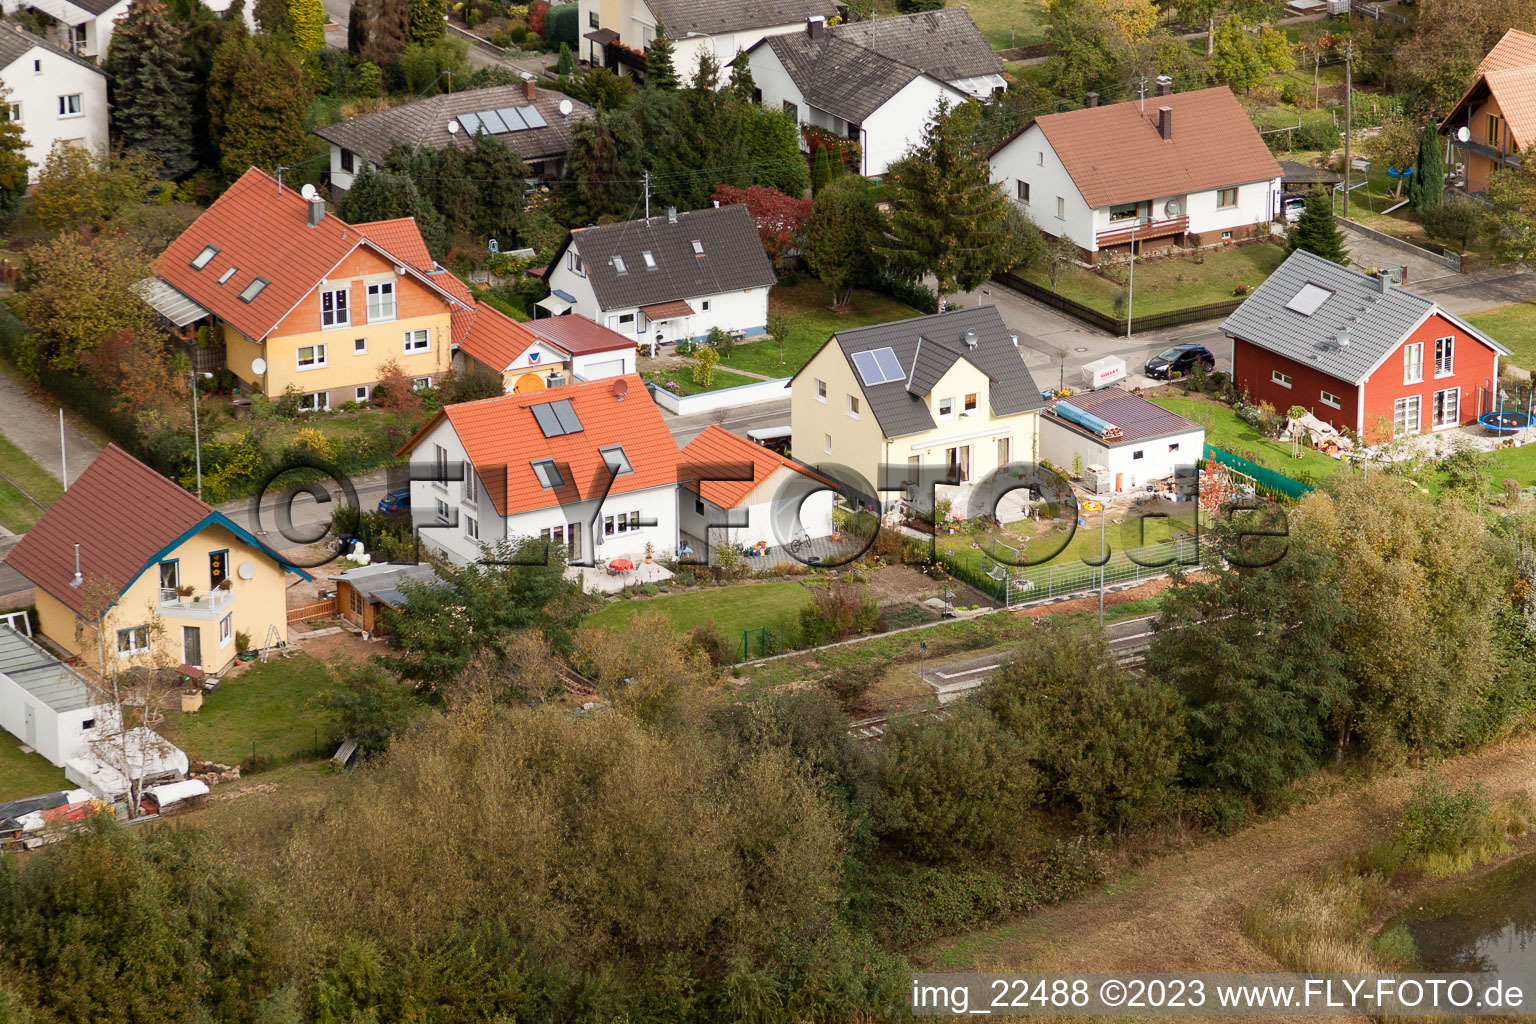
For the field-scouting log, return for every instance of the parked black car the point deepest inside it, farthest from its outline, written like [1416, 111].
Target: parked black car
[1179, 359]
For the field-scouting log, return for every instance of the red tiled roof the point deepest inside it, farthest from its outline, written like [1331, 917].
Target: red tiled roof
[494, 338]
[402, 239]
[1515, 49]
[1115, 153]
[668, 310]
[262, 229]
[503, 440]
[575, 335]
[718, 445]
[121, 513]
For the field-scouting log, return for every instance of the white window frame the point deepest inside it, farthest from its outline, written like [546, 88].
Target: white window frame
[1329, 399]
[361, 393]
[418, 341]
[319, 357]
[821, 391]
[1061, 208]
[381, 302]
[1435, 403]
[78, 104]
[1413, 363]
[939, 406]
[573, 263]
[853, 407]
[471, 491]
[828, 446]
[139, 641]
[1400, 412]
[340, 313]
[444, 513]
[227, 630]
[970, 402]
[1023, 191]
[1445, 356]
[13, 113]
[704, 305]
[356, 342]
[315, 401]
[472, 528]
[421, 383]
[1283, 379]
[440, 460]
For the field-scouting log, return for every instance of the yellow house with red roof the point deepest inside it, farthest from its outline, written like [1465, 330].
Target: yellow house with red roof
[1498, 111]
[304, 300]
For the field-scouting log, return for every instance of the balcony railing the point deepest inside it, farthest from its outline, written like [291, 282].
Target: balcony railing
[199, 600]
[1144, 229]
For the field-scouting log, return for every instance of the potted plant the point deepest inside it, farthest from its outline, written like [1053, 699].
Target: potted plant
[226, 584]
[185, 591]
[650, 550]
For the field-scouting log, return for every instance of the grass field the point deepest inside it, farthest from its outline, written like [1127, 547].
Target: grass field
[265, 705]
[17, 513]
[1008, 23]
[1038, 544]
[1514, 326]
[682, 376]
[1226, 430]
[24, 775]
[733, 609]
[1167, 285]
[812, 322]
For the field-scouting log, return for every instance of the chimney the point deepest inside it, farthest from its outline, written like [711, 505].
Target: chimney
[971, 339]
[530, 90]
[79, 579]
[1164, 85]
[1091, 100]
[815, 26]
[671, 215]
[1383, 281]
[1165, 122]
[316, 211]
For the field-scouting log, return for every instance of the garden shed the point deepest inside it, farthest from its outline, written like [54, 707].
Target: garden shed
[1138, 442]
[43, 702]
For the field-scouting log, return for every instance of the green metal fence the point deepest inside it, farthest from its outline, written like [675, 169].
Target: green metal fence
[990, 572]
[1262, 476]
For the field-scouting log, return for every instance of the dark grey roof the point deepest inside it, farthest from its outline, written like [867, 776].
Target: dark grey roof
[711, 16]
[96, 7]
[733, 257]
[373, 582]
[844, 79]
[934, 344]
[42, 675]
[425, 123]
[1138, 419]
[15, 41]
[1375, 321]
[946, 44]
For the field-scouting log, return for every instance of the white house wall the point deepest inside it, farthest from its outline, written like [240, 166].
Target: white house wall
[1256, 204]
[1030, 158]
[58, 736]
[1160, 456]
[741, 310]
[658, 504]
[898, 124]
[774, 83]
[38, 91]
[767, 519]
[595, 365]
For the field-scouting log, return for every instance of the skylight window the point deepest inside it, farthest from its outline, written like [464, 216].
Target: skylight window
[618, 462]
[224, 277]
[650, 261]
[698, 247]
[878, 366]
[201, 259]
[253, 289]
[1309, 300]
[557, 419]
[548, 474]
[618, 264]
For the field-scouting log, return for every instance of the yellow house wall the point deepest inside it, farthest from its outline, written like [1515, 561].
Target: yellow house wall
[258, 603]
[860, 444]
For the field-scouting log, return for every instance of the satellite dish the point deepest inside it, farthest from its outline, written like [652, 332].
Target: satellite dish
[1463, 134]
[566, 108]
[309, 192]
[247, 571]
[1171, 208]
[258, 366]
[453, 127]
[620, 388]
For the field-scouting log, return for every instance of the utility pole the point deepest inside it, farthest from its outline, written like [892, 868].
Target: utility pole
[647, 195]
[1349, 109]
[63, 454]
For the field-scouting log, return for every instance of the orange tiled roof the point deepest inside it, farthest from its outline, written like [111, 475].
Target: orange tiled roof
[718, 445]
[261, 229]
[1115, 154]
[1508, 72]
[503, 440]
[1516, 49]
[494, 338]
[401, 238]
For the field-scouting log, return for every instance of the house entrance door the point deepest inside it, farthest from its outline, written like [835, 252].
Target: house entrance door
[29, 727]
[192, 646]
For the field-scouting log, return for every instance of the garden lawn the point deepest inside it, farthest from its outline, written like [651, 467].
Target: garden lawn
[24, 775]
[811, 323]
[1164, 286]
[1228, 431]
[682, 376]
[1084, 542]
[1513, 326]
[265, 705]
[733, 609]
[25, 477]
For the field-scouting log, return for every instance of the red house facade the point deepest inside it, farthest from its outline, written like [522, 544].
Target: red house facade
[1360, 353]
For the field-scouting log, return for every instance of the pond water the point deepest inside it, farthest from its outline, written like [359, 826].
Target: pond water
[1485, 925]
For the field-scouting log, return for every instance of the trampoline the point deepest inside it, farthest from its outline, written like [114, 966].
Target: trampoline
[1507, 422]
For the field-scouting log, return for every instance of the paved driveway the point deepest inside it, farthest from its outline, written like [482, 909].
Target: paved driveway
[1367, 253]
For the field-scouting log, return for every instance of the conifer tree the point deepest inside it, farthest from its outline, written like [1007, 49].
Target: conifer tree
[773, 149]
[1316, 231]
[1427, 186]
[565, 64]
[258, 100]
[824, 170]
[947, 216]
[602, 168]
[151, 89]
[273, 18]
[742, 85]
[306, 21]
[497, 174]
[660, 72]
[425, 24]
[388, 27]
[357, 28]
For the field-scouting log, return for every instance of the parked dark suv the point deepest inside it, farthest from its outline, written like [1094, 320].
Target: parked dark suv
[1179, 359]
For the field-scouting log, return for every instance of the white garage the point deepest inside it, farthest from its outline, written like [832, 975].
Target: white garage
[1134, 441]
[43, 702]
[732, 480]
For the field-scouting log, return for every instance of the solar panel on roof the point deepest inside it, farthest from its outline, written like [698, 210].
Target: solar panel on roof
[547, 421]
[513, 120]
[878, 366]
[533, 117]
[493, 123]
[889, 364]
[1309, 300]
[471, 122]
[569, 421]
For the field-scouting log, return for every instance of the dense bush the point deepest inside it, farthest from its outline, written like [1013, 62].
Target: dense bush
[837, 611]
[915, 294]
[1440, 820]
[560, 25]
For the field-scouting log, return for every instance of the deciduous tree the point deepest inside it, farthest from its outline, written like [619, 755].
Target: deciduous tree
[13, 163]
[780, 220]
[77, 289]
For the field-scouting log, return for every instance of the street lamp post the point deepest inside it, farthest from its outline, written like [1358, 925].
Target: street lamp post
[197, 434]
[1098, 506]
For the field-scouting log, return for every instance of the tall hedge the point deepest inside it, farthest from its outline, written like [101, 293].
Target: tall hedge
[561, 25]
